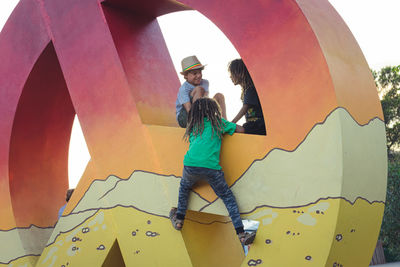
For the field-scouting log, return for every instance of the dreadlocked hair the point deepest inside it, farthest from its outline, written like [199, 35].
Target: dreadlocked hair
[204, 108]
[239, 73]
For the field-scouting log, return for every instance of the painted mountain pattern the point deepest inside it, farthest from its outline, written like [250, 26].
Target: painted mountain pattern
[313, 171]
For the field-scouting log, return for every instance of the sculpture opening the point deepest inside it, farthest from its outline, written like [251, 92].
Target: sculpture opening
[326, 137]
[39, 144]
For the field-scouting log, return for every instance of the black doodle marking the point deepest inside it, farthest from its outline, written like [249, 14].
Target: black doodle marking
[85, 230]
[76, 239]
[268, 241]
[352, 230]
[339, 237]
[319, 212]
[136, 252]
[290, 233]
[298, 211]
[101, 247]
[254, 262]
[74, 248]
[148, 222]
[305, 205]
[152, 234]
[308, 258]
[257, 160]
[336, 264]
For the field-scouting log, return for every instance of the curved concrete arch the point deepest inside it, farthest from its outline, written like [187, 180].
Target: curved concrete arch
[318, 98]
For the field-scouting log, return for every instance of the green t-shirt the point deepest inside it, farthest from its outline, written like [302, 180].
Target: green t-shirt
[204, 149]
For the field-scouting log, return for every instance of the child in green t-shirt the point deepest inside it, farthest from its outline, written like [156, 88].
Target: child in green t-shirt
[205, 130]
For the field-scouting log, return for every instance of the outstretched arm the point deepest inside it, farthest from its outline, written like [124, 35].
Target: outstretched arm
[239, 129]
[241, 113]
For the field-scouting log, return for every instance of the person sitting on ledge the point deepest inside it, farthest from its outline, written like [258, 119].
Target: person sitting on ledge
[192, 89]
[251, 108]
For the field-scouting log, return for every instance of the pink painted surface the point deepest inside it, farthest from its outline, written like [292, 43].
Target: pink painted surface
[97, 60]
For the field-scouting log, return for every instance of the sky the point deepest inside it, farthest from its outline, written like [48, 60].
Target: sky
[374, 24]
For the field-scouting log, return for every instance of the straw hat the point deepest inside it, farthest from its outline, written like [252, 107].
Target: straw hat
[191, 63]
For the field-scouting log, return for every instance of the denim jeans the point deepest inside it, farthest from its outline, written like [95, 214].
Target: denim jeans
[217, 181]
[183, 118]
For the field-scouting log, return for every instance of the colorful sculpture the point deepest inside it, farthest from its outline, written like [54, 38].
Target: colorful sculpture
[316, 182]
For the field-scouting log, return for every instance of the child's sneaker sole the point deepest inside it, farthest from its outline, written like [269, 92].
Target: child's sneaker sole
[174, 220]
[248, 238]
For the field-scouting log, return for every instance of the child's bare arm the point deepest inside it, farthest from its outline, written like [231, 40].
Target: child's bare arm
[187, 106]
[241, 112]
[239, 129]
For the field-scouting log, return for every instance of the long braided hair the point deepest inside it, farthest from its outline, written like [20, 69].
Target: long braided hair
[240, 74]
[204, 108]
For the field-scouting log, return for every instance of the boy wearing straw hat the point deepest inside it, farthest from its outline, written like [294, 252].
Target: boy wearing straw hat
[192, 89]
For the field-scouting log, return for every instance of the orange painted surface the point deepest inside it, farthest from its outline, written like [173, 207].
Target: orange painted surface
[107, 111]
[291, 75]
[289, 66]
[107, 58]
[354, 85]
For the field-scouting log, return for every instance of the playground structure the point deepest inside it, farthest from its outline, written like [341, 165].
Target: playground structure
[316, 181]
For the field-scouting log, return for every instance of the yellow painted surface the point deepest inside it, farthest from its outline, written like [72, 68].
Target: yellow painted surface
[317, 160]
[144, 240]
[211, 240]
[87, 244]
[324, 151]
[148, 240]
[114, 257]
[294, 236]
[357, 229]
[27, 261]
[123, 210]
[311, 236]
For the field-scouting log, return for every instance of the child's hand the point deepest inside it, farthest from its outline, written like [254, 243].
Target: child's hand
[239, 129]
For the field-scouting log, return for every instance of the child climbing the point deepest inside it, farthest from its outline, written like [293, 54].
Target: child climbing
[251, 108]
[204, 132]
[192, 89]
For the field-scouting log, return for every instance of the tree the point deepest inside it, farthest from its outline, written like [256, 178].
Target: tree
[390, 229]
[387, 81]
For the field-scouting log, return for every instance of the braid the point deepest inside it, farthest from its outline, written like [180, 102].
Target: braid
[239, 72]
[204, 108]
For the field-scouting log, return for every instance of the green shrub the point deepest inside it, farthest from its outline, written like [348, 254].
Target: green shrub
[390, 230]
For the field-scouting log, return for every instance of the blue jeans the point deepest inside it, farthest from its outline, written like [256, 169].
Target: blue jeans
[217, 181]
